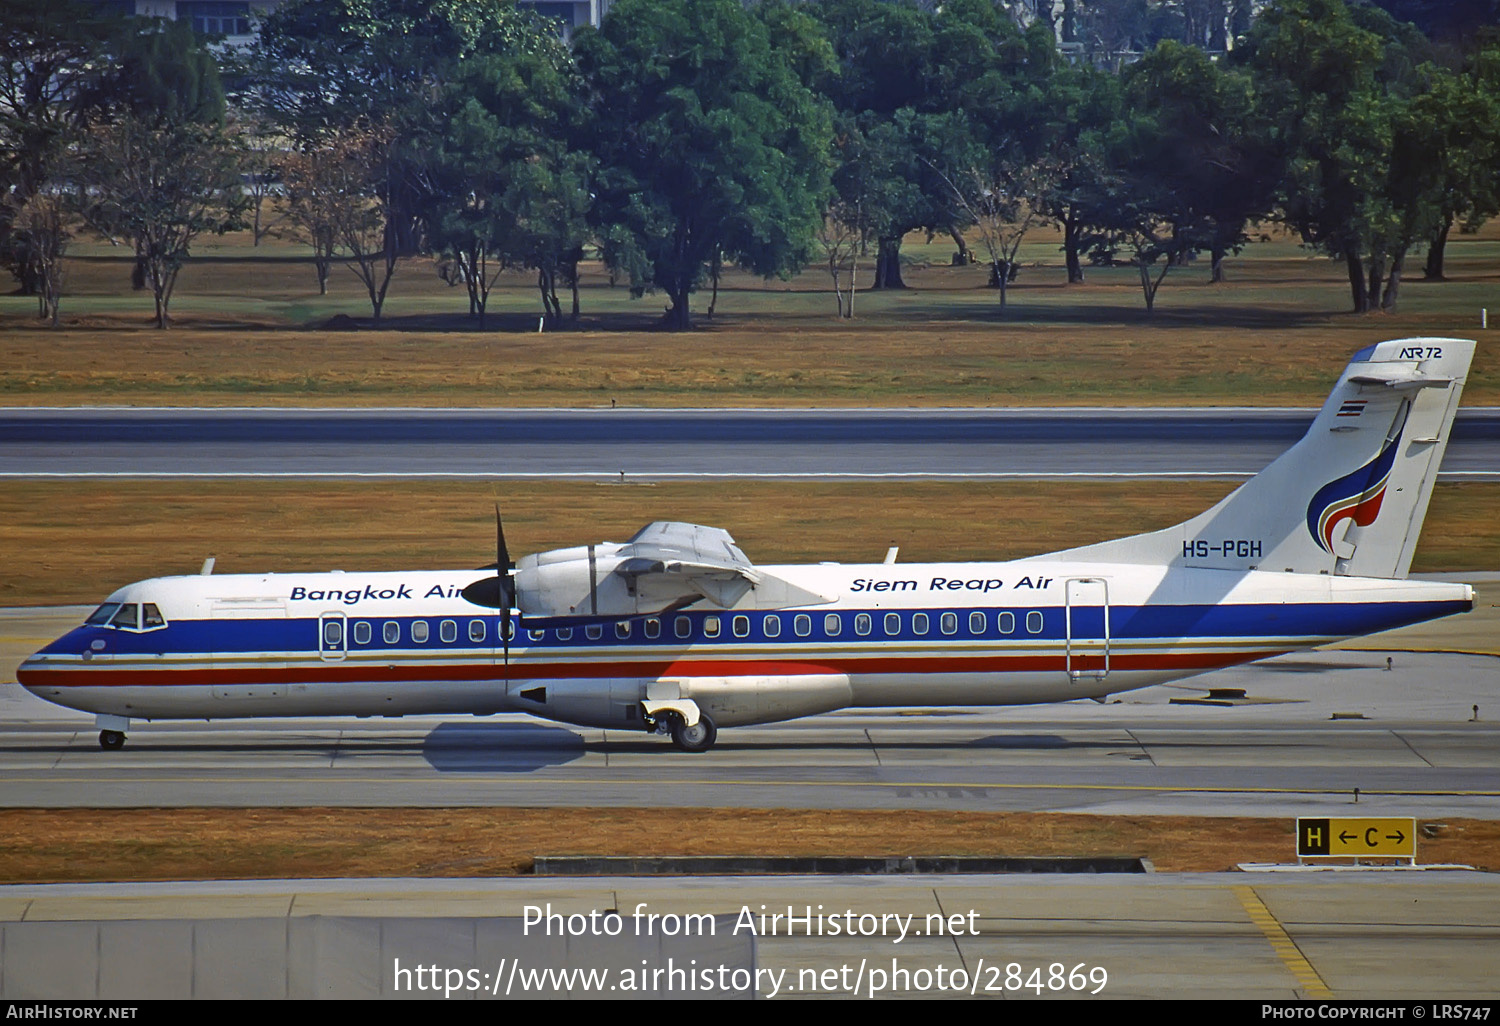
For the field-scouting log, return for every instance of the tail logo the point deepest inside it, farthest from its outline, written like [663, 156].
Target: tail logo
[1356, 496]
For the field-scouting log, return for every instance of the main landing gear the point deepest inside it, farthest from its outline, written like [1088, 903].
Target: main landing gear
[700, 737]
[111, 730]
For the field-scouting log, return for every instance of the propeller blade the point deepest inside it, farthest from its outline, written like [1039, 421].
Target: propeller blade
[505, 584]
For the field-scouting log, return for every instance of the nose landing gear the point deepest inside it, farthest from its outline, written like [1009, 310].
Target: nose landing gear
[111, 739]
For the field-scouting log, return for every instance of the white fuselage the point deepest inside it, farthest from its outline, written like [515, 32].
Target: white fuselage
[893, 635]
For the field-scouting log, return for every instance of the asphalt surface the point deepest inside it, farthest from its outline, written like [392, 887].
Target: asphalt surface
[657, 444]
[1313, 728]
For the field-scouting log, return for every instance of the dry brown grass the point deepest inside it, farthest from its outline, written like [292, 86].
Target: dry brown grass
[196, 844]
[249, 331]
[74, 541]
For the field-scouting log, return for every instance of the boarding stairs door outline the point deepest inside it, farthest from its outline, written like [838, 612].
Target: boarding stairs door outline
[1086, 601]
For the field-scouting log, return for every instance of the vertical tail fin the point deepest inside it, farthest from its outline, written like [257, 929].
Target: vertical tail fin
[1350, 496]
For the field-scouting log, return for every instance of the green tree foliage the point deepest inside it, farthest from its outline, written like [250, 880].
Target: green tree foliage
[1196, 158]
[1356, 180]
[1458, 119]
[321, 66]
[511, 190]
[708, 142]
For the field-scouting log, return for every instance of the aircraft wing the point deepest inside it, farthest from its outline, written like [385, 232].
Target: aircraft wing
[666, 565]
[674, 560]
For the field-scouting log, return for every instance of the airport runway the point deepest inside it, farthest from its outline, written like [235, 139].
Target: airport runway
[665, 444]
[1313, 728]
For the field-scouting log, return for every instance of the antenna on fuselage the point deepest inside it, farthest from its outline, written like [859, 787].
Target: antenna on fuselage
[208, 566]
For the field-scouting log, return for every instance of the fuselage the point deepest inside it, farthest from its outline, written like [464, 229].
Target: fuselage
[362, 644]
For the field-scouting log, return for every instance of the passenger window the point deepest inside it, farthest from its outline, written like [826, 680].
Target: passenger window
[362, 633]
[862, 624]
[419, 631]
[333, 633]
[977, 623]
[683, 626]
[893, 623]
[391, 632]
[653, 628]
[771, 626]
[622, 630]
[802, 625]
[949, 623]
[919, 623]
[594, 631]
[510, 631]
[832, 624]
[710, 626]
[128, 616]
[448, 631]
[151, 616]
[741, 626]
[565, 634]
[1007, 623]
[1034, 622]
[536, 635]
[477, 632]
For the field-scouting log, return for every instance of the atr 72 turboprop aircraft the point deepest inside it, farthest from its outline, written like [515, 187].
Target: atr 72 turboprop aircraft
[677, 632]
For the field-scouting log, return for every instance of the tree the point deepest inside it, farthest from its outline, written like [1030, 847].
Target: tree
[1336, 97]
[1197, 137]
[334, 200]
[159, 188]
[510, 189]
[708, 142]
[335, 65]
[1461, 116]
[51, 57]
[1004, 200]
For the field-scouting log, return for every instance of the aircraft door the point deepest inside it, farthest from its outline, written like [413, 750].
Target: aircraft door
[333, 637]
[1087, 616]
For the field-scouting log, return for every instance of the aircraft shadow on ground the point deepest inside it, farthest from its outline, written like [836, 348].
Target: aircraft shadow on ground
[499, 747]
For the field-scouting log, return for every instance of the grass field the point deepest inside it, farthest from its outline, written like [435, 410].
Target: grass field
[249, 331]
[75, 541]
[215, 844]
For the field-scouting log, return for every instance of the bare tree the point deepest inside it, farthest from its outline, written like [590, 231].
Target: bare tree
[333, 200]
[158, 187]
[1004, 202]
[264, 153]
[842, 240]
[46, 222]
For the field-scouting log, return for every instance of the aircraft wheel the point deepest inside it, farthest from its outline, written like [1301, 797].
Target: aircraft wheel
[700, 737]
[110, 739]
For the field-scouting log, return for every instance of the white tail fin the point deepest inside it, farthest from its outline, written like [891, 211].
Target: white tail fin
[1350, 497]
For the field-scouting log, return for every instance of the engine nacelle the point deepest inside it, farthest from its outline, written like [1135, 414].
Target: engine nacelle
[729, 701]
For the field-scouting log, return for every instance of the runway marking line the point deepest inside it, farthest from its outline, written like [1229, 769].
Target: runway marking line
[1286, 949]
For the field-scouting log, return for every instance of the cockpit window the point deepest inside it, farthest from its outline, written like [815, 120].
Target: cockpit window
[128, 616]
[102, 615]
[151, 616]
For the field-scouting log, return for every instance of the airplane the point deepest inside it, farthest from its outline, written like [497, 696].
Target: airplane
[677, 632]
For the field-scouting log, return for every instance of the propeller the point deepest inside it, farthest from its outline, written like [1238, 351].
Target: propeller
[498, 592]
[505, 583]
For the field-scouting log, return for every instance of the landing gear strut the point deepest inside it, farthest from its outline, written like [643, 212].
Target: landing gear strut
[111, 739]
[700, 737]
